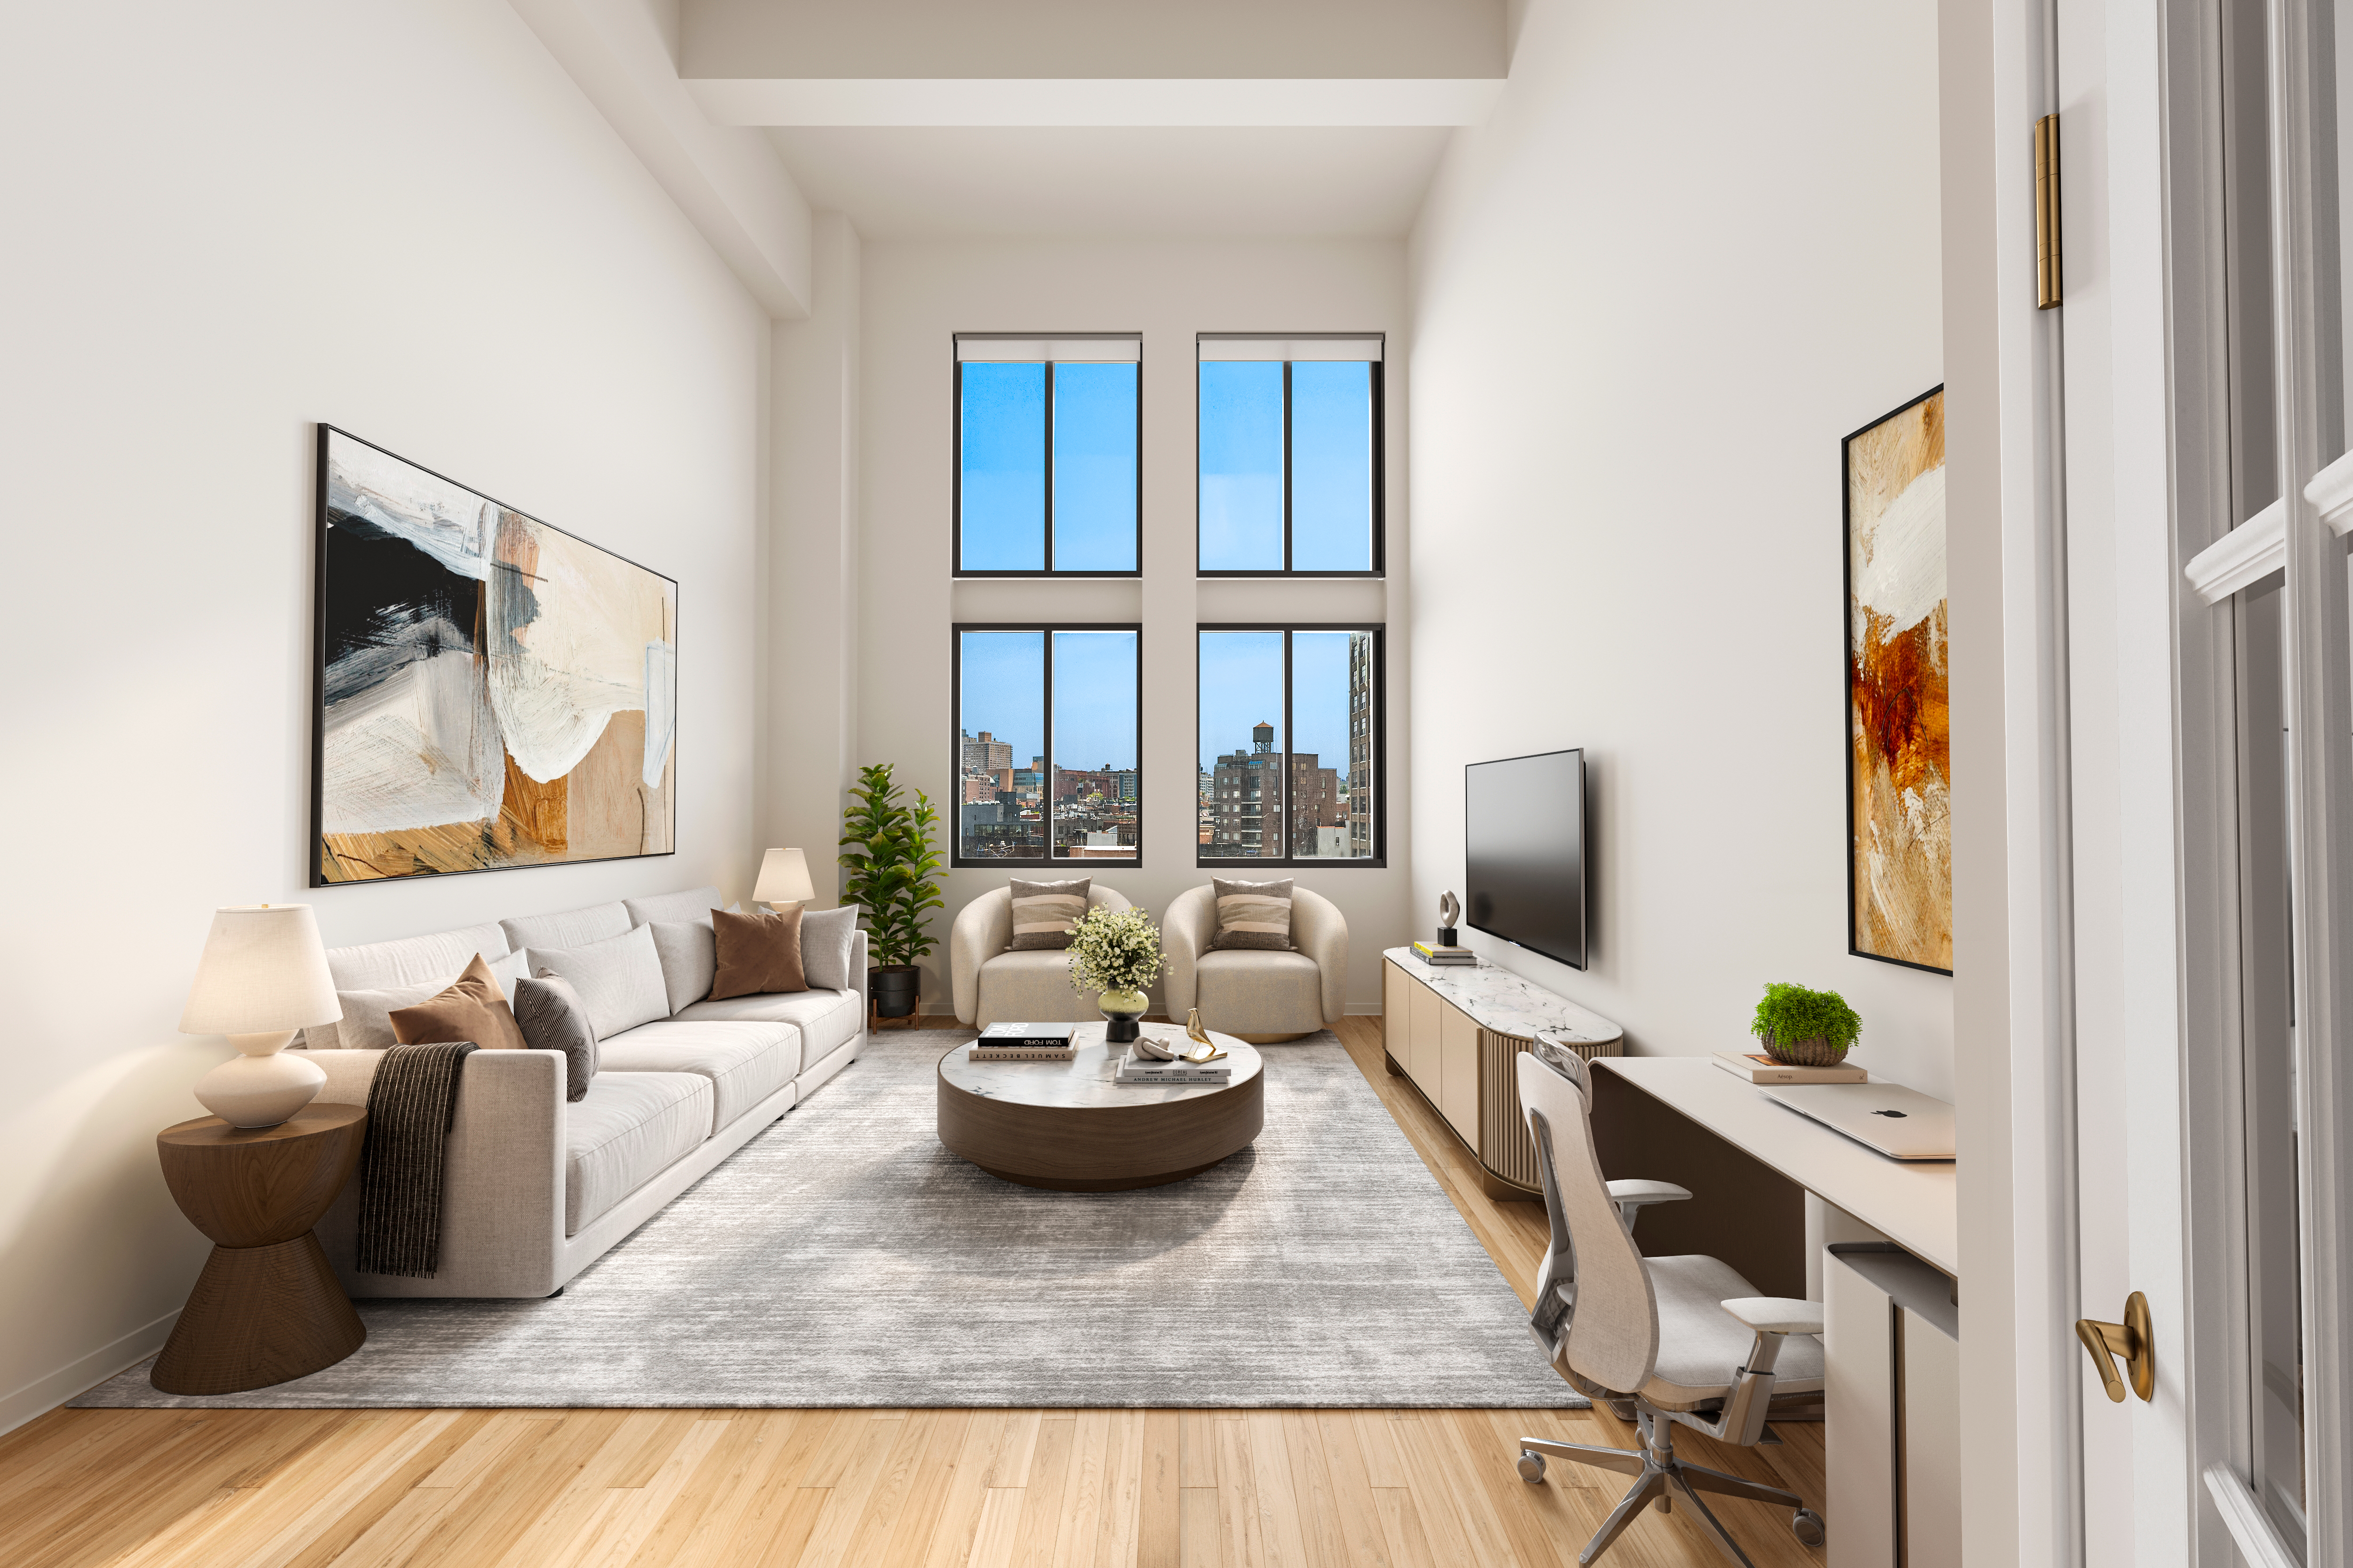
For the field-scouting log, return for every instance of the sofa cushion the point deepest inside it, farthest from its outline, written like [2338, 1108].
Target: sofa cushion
[695, 904]
[758, 951]
[1254, 992]
[551, 1016]
[630, 1128]
[745, 1062]
[826, 938]
[471, 1008]
[567, 927]
[826, 1019]
[689, 959]
[433, 960]
[619, 979]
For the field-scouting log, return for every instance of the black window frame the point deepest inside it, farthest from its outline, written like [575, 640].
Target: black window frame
[1378, 698]
[957, 859]
[955, 455]
[1379, 455]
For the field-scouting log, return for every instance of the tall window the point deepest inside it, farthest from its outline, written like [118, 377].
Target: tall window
[1289, 434]
[1046, 745]
[1047, 436]
[1291, 745]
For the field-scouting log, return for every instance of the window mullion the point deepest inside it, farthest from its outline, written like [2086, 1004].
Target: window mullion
[1050, 471]
[1288, 740]
[1286, 502]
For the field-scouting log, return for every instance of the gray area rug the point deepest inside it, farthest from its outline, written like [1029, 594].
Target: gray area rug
[843, 1257]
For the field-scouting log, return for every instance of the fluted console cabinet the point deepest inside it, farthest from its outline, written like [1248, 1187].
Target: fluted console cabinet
[1454, 1032]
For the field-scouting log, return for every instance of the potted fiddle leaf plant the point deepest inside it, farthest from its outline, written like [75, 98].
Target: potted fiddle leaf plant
[895, 878]
[1805, 1028]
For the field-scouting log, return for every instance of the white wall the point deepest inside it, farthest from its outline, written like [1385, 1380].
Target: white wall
[226, 223]
[1693, 247]
[917, 295]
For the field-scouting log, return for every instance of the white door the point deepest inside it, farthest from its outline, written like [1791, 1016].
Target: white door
[2201, 826]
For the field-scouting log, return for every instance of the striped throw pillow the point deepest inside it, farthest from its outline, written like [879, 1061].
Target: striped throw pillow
[1044, 913]
[1253, 914]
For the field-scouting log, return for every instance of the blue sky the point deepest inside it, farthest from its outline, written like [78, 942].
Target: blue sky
[1004, 467]
[1241, 683]
[1095, 695]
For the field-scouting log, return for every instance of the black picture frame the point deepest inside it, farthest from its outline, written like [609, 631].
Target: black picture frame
[956, 567]
[1379, 568]
[1377, 716]
[957, 858]
[316, 852]
[1846, 682]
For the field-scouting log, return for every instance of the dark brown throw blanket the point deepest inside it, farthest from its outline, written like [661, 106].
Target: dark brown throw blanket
[410, 1106]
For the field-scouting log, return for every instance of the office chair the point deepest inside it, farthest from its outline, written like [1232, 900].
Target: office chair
[1686, 1340]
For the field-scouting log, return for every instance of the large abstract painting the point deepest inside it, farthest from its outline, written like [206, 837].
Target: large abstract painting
[1899, 761]
[492, 692]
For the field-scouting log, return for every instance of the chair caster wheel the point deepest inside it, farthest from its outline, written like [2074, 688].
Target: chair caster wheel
[1530, 1468]
[1807, 1526]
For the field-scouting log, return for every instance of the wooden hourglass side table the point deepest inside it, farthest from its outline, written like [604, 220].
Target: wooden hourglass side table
[267, 1306]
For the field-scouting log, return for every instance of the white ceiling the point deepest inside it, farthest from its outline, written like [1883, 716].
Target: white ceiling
[922, 183]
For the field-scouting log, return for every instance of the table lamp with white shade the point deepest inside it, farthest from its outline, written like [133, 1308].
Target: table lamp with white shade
[263, 975]
[784, 880]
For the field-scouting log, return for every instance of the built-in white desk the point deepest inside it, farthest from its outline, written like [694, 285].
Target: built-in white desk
[1913, 1202]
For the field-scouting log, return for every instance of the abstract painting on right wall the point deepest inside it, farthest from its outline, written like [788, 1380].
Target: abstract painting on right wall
[1899, 730]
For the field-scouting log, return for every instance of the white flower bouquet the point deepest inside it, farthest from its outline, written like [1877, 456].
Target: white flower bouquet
[1114, 951]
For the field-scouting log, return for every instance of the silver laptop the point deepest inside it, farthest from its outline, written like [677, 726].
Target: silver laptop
[1902, 1124]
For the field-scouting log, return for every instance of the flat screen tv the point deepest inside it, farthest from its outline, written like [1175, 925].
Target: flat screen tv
[1524, 842]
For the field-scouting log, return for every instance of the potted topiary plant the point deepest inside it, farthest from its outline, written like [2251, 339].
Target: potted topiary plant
[1805, 1028]
[894, 876]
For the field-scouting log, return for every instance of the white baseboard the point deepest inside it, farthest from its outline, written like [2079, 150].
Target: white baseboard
[44, 1394]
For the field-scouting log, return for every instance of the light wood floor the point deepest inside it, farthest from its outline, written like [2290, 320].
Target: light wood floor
[926, 1488]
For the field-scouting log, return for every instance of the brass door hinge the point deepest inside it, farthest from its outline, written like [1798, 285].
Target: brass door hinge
[2046, 213]
[2133, 1338]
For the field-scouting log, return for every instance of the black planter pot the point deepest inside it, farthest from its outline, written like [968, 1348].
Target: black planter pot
[894, 988]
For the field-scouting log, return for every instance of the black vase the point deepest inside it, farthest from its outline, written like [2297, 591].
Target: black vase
[894, 988]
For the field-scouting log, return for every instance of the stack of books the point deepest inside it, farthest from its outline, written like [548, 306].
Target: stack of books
[1134, 1068]
[1430, 953]
[1024, 1043]
[1758, 1068]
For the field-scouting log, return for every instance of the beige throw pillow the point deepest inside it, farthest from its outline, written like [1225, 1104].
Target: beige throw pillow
[1044, 913]
[1253, 914]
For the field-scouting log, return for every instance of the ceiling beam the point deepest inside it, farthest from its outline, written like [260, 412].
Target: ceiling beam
[1066, 102]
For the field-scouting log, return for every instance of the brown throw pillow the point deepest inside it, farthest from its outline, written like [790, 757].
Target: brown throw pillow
[758, 953]
[473, 1009]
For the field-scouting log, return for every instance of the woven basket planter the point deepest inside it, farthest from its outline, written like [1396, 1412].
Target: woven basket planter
[1817, 1052]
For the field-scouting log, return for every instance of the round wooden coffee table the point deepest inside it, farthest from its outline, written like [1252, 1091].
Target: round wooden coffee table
[1067, 1126]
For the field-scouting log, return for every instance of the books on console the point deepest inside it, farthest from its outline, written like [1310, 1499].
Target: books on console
[1024, 1043]
[1134, 1068]
[1758, 1068]
[1431, 952]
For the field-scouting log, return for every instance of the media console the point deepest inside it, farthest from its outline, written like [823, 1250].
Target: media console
[1455, 1033]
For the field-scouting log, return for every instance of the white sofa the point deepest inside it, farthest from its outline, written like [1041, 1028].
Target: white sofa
[1257, 995]
[536, 1187]
[993, 986]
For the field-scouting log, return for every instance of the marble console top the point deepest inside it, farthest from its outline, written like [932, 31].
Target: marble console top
[1501, 1002]
[1084, 1083]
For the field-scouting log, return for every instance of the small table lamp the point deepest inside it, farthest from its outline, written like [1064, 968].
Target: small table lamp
[263, 975]
[784, 880]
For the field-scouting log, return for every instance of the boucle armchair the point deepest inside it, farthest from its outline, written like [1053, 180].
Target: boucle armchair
[1257, 993]
[993, 986]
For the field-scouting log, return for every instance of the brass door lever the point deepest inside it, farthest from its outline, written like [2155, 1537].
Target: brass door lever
[2132, 1340]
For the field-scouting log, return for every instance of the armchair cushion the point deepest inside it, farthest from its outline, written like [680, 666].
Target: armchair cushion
[1247, 992]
